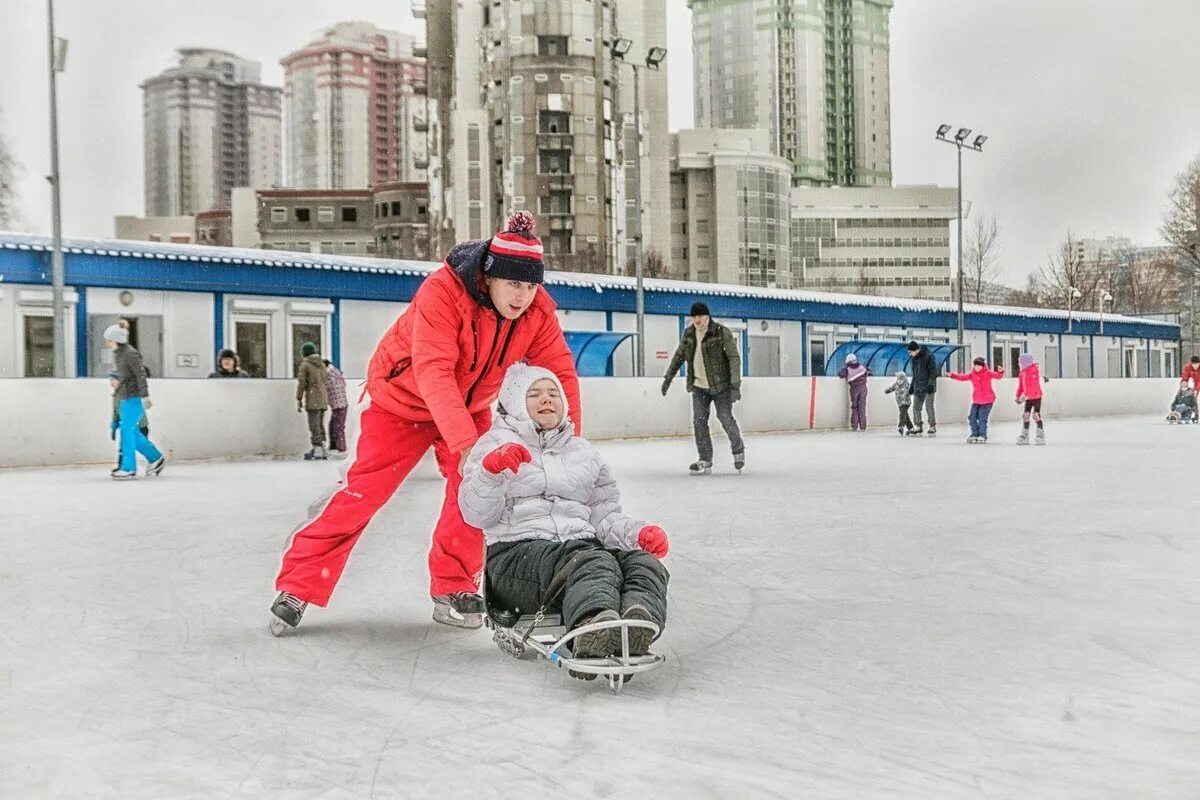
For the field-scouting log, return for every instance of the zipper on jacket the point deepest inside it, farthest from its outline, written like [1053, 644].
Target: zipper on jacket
[474, 343]
[487, 363]
[507, 341]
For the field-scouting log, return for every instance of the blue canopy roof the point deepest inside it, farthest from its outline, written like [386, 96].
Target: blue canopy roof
[593, 350]
[885, 358]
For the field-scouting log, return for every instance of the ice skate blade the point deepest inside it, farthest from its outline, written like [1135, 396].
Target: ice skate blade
[448, 616]
[278, 627]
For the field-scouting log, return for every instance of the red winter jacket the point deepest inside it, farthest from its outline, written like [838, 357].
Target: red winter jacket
[982, 394]
[1029, 383]
[444, 358]
[1191, 372]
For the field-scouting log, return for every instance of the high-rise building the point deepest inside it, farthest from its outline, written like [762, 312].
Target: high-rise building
[355, 109]
[814, 73]
[530, 109]
[210, 125]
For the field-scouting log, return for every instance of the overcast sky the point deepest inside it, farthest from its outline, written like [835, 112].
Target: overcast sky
[1092, 106]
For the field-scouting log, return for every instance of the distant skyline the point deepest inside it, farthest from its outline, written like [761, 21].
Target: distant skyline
[1086, 130]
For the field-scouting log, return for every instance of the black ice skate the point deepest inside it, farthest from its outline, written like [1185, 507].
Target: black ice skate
[701, 468]
[459, 609]
[286, 612]
[119, 474]
[739, 461]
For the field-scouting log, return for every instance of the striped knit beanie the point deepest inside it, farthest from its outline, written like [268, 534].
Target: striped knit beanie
[515, 254]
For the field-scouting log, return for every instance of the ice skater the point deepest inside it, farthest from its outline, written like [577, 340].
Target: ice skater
[335, 387]
[1029, 393]
[1183, 407]
[902, 390]
[547, 502]
[432, 381]
[924, 386]
[983, 397]
[133, 400]
[855, 375]
[312, 396]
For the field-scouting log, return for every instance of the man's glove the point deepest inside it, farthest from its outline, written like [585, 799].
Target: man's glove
[147, 403]
[113, 427]
[735, 395]
[666, 385]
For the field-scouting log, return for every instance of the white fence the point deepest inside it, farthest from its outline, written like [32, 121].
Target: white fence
[51, 422]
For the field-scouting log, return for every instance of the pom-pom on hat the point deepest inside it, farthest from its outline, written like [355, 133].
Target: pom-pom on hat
[515, 253]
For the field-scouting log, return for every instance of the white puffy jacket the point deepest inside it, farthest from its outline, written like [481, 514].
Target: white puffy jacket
[565, 492]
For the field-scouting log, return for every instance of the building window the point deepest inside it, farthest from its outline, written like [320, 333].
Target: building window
[302, 214]
[325, 214]
[39, 346]
[420, 210]
[554, 122]
[381, 209]
[554, 162]
[349, 214]
[558, 243]
[552, 45]
[556, 203]
[278, 214]
[395, 208]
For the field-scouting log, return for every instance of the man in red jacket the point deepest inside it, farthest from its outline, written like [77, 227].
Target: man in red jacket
[1191, 372]
[432, 381]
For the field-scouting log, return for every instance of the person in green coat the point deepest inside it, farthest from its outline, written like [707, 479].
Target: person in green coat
[714, 377]
[312, 396]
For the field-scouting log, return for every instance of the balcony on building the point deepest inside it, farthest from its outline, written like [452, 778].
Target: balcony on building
[421, 88]
[420, 51]
[419, 8]
[420, 125]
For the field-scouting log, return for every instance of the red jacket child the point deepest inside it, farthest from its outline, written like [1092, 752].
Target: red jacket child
[981, 379]
[432, 381]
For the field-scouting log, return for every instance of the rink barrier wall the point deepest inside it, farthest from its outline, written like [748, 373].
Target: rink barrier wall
[53, 422]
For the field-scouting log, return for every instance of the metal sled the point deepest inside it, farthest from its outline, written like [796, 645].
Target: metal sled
[545, 635]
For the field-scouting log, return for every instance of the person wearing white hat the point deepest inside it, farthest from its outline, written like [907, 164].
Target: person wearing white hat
[133, 396]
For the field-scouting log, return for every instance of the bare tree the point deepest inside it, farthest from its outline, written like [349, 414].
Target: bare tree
[1065, 270]
[866, 284]
[9, 170]
[653, 265]
[1142, 281]
[981, 254]
[1181, 228]
[1030, 296]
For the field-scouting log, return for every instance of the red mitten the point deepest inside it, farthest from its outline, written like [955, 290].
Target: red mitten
[653, 540]
[506, 457]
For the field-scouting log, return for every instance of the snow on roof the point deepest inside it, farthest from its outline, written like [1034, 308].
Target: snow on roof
[598, 282]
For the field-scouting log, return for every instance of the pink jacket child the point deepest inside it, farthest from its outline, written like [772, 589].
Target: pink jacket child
[1029, 392]
[983, 397]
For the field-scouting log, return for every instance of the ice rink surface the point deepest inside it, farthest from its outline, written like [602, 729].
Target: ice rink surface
[856, 616]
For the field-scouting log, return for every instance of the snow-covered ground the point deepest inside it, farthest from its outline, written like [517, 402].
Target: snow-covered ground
[857, 616]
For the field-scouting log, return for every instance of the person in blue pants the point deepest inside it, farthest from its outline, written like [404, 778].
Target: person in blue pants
[133, 395]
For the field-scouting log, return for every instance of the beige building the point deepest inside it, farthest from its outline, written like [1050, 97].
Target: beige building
[813, 73]
[210, 124]
[529, 109]
[178, 230]
[730, 209]
[401, 221]
[886, 241]
[355, 109]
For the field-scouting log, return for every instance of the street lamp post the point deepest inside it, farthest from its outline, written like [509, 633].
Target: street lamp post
[960, 141]
[58, 55]
[654, 57]
[1105, 297]
[1073, 294]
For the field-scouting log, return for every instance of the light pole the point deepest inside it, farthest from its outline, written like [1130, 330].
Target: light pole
[1105, 297]
[654, 57]
[960, 141]
[58, 58]
[1073, 294]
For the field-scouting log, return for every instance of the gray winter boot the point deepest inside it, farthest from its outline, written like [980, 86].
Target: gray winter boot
[596, 644]
[639, 638]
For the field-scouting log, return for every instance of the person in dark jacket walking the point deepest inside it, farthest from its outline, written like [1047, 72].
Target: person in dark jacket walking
[855, 375]
[924, 386]
[133, 395]
[714, 376]
[335, 386]
[228, 366]
[312, 396]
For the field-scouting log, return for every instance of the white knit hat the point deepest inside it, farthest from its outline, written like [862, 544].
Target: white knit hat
[852, 359]
[115, 333]
[517, 380]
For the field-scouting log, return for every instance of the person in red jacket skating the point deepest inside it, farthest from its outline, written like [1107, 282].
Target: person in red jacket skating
[432, 381]
[983, 397]
[1191, 372]
[1029, 392]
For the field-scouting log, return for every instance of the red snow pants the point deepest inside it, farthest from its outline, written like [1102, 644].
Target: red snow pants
[388, 449]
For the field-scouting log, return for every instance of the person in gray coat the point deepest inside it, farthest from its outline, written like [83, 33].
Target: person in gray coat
[901, 388]
[133, 399]
[547, 502]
